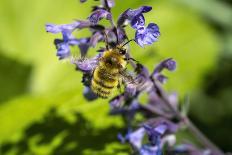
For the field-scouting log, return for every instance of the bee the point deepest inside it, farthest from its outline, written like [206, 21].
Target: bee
[110, 71]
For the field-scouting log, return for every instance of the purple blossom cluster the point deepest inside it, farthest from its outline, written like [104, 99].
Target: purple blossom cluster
[162, 118]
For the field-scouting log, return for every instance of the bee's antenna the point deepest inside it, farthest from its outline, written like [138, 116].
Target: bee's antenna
[128, 42]
[106, 40]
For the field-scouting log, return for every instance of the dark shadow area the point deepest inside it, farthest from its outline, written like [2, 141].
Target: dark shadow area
[81, 133]
[218, 132]
[13, 78]
[215, 102]
[220, 78]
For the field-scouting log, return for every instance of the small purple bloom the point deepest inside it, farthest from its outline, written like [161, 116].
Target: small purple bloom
[135, 138]
[150, 150]
[155, 133]
[117, 101]
[52, 28]
[99, 14]
[169, 64]
[83, 44]
[155, 122]
[148, 35]
[138, 21]
[86, 65]
[96, 37]
[62, 45]
[131, 15]
[128, 111]
[63, 50]
[157, 127]
[161, 78]
[130, 90]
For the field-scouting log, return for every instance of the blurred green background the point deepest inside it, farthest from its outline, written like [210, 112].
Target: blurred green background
[42, 110]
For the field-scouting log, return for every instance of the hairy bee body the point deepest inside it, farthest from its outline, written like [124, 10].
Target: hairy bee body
[106, 75]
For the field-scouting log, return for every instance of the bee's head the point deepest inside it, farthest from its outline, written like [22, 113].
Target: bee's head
[122, 50]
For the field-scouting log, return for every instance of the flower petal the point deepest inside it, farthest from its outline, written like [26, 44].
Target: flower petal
[136, 137]
[52, 28]
[99, 14]
[83, 44]
[86, 65]
[156, 125]
[96, 37]
[148, 35]
[117, 101]
[138, 21]
[169, 64]
[63, 50]
[150, 150]
[130, 14]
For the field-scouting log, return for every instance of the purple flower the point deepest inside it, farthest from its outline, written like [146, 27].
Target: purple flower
[131, 15]
[135, 138]
[52, 28]
[96, 37]
[117, 101]
[99, 14]
[150, 150]
[87, 65]
[147, 35]
[169, 64]
[157, 127]
[161, 78]
[63, 45]
[130, 90]
[144, 35]
[84, 44]
[138, 21]
[63, 50]
[67, 29]
[128, 111]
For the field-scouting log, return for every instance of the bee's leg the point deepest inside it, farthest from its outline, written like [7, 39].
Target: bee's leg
[129, 58]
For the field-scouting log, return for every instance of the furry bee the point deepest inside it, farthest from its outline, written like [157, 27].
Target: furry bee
[107, 74]
[109, 71]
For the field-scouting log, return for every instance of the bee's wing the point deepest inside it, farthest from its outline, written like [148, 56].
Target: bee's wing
[127, 77]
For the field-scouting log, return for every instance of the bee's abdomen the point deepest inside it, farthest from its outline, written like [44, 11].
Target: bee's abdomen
[104, 81]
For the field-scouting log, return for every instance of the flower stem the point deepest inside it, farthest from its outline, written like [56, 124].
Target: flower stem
[194, 130]
[202, 138]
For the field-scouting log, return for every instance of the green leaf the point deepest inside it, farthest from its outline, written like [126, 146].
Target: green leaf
[57, 124]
